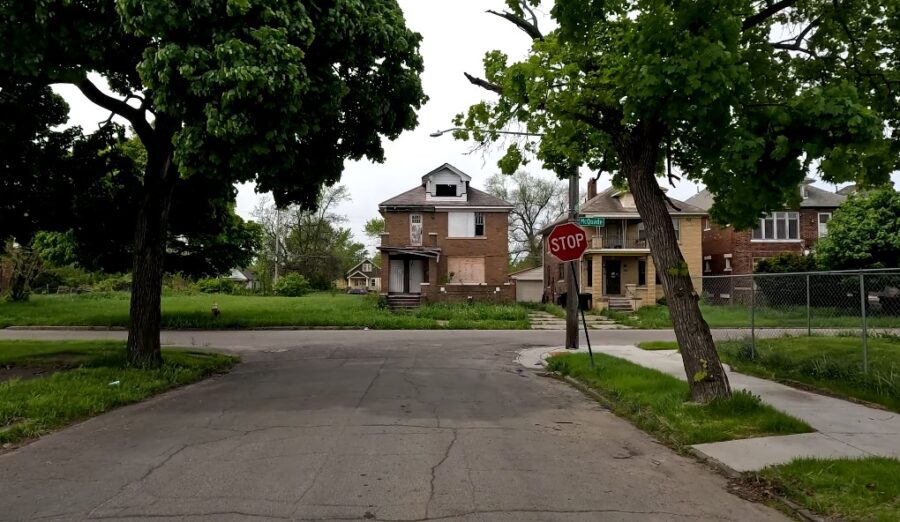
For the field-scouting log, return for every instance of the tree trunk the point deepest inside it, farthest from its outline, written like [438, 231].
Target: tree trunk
[147, 268]
[705, 374]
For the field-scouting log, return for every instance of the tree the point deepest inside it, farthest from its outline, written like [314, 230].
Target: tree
[536, 203]
[642, 89]
[277, 92]
[374, 228]
[864, 232]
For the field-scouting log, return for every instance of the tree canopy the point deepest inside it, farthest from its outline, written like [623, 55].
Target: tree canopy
[863, 233]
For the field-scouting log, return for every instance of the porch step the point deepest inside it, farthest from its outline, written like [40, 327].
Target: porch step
[620, 304]
[403, 301]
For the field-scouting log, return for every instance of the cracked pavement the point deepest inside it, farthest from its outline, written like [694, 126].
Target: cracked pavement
[364, 426]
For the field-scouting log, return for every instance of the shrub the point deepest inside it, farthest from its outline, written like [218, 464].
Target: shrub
[292, 285]
[114, 283]
[216, 286]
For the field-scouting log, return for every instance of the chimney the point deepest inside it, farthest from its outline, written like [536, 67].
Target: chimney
[592, 188]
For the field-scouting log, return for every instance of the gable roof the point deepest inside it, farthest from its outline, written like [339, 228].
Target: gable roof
[446, 166]
[416, 198]
[356, 268]
[529, 274]
[815, 198]
[605, 203]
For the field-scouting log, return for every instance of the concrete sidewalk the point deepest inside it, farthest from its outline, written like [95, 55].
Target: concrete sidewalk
[843, 429]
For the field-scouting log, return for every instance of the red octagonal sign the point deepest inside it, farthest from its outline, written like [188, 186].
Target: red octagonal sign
[567, 242]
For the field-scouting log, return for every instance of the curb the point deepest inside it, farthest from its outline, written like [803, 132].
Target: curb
[70, 328]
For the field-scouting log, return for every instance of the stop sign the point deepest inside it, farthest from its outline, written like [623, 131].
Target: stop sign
[567, 241]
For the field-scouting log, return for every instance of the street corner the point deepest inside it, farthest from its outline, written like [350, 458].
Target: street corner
[536, 358]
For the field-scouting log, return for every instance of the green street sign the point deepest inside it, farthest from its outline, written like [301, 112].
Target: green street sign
[592, 221]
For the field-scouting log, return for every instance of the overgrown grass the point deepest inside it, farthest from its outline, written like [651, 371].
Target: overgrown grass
[314, 310]
[658, 345]
[550, 308]
[857, 490]
[659, 403]
[834, 364]
[95, 378]
[734, 316]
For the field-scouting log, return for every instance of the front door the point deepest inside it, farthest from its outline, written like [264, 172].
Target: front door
[398, 276]
[416, 275]
[613, 270]
[407, 276]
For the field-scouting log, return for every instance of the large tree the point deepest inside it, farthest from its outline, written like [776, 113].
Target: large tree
[536, 203]
[863, 233]
[280, 92]
[742, 95]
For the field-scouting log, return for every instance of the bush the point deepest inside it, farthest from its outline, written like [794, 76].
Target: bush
[114, 283]
[292, 285]
[786, 263]
[216, 286]
[662, 301]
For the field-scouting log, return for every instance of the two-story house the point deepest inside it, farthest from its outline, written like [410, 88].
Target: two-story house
[445, 241]
[617, 269]
[727, 251]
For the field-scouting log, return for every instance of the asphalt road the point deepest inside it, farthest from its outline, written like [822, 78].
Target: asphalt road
[364, 425]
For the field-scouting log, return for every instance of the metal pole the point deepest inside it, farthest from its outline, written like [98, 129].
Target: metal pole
[587, 337]
[572, 296]
[808, 315]
[865, 337]
[752, 317]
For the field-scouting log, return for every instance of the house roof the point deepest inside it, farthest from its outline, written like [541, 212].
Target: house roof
[815, 198]
[446, 166]
[238, 274]
[607, 204]
[416, 198]
[376, 270]
[529, 274]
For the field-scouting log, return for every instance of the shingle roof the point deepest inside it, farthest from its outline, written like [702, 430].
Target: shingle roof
[529, 274]
[605, 204]
[703, 199]
[815, 198]
[416, 198]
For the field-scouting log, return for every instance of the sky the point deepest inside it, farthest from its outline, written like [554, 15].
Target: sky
[456, 34]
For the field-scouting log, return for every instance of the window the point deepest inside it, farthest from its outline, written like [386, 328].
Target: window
[415, 229]
[642, 272]
[373, 282]
[466, 269]
[562, 271]
[779, 226]
[367, 267]
[465, 224]
[707, 267]
[642, 232]
[706, 223]
[445, 191]
[824, 218]
[676, 224]
[589, 266]
[728, 262]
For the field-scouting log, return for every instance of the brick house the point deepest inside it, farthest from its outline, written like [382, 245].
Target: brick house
[365, 275]
[617, 269]
[445, 241]
[727, 251]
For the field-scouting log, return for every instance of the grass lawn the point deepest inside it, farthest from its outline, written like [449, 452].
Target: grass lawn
[831, 364]
[46, 385]
[321, 309]
[734, 316]
[857, 490]
[659, 404]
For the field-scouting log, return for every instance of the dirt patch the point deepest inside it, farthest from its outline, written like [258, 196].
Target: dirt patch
[39, 366]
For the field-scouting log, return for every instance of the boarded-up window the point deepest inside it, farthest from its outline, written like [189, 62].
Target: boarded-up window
[461, 224]
[415, 229]
[466, 269]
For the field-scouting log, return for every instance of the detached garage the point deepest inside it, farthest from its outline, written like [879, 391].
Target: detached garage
[529, 285]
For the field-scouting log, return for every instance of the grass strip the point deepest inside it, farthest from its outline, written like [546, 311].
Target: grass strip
[848, 489]
[100, 380]
[659, 403]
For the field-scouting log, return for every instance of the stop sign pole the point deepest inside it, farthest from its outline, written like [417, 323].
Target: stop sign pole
[567, 242]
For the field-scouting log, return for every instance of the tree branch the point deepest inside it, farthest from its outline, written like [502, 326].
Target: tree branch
[530, 28]
[134, 116]
[760, 17]
[484, 84]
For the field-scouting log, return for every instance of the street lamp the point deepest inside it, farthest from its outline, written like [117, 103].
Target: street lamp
[572, 296]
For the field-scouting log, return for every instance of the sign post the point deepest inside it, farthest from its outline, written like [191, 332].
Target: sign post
[567, 242]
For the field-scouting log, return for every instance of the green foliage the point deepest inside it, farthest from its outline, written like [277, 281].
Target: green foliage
[55, 248]
[292, 285]
[374, 228]
[864, 232]
[658, 403]
[785, 263]
[216, 285]
[32, 407]
[114, 283]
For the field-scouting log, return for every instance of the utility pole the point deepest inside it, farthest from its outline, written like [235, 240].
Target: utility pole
[572, 293]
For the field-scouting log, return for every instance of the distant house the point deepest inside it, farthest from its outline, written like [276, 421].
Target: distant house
[445, 240]
[793, 230]
[617, 269]
[365, 275]
[529, 284]
[244, 278]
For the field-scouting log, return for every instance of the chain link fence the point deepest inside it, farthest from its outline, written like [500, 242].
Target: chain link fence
[857, 304]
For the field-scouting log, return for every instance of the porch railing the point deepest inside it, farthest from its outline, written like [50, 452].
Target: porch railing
[600, 242]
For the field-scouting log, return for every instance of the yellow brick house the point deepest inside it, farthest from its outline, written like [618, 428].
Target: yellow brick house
[617, 269]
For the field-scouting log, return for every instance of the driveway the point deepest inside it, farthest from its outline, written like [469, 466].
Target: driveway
[364, 425]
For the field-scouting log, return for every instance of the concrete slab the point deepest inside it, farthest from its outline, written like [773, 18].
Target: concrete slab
[754, 454]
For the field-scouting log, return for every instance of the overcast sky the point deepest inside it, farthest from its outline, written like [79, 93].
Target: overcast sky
[456, 34]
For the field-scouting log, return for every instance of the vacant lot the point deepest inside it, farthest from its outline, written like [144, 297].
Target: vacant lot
[733, 316]
[47, 385]
[194, 311]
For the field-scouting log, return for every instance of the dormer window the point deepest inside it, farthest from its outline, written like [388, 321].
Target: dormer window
[445, 191]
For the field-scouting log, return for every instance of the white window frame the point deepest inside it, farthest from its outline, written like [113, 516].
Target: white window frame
[479, 220]
[706, 226]
[823, 227]
[367, 267]
[415, 219]
[727, 263]
[758, 235]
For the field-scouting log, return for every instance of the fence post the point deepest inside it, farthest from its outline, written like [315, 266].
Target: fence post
[863, 298]
[752, 317]
[808, 316]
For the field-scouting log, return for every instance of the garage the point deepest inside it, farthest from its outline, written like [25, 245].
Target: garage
[529, 285]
